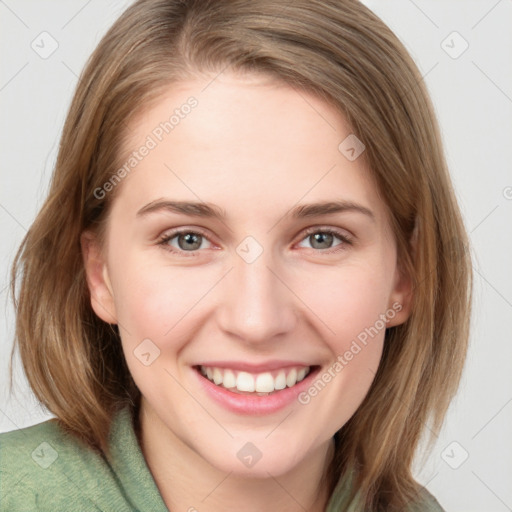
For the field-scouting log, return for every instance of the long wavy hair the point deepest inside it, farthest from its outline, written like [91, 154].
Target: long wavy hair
[343, 53]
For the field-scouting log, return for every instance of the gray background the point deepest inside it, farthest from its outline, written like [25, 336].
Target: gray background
[470, 468]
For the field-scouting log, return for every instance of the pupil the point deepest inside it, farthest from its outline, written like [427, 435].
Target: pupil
[322, 238]
[191, 241]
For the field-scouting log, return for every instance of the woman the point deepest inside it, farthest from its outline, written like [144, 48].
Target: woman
[247, 287]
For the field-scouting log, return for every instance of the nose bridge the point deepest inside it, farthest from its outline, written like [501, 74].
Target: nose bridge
[256, 306]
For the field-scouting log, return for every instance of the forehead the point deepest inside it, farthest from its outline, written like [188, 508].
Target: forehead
[243, 141]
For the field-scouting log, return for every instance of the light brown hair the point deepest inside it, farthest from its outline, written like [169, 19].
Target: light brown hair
[338, 50]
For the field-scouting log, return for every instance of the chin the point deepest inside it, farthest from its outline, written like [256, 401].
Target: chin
[248, 459]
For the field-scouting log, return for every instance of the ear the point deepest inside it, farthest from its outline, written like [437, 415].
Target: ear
[400, 300]
[98, 281]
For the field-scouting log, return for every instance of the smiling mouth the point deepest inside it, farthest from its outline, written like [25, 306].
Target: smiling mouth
[256, 384]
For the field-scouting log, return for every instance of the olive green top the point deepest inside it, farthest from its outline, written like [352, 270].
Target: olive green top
[45, 469]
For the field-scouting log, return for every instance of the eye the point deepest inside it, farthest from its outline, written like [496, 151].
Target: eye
[184, 240]
[323, 239]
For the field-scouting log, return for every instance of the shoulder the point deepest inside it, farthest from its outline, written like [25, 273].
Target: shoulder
[31, 450]
[42, 468]
[45, 468]
[425, 503]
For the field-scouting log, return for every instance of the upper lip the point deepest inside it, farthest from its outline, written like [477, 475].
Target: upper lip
[254, 368]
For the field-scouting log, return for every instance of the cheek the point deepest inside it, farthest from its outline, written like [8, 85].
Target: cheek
[155, 306]
[351, 305]
[151, 300]
[349, 301]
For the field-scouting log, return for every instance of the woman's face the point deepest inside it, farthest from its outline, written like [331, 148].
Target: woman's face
[261, 286]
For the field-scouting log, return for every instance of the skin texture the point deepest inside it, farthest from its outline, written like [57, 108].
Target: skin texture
[256, 149]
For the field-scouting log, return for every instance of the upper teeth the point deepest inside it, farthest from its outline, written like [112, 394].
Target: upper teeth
[265, 382]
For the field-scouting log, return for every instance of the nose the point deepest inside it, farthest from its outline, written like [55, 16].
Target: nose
[256, 305]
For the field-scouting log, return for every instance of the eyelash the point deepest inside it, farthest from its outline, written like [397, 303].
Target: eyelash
[164, 239]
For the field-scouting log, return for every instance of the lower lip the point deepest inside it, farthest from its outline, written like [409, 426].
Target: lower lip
[255, 405]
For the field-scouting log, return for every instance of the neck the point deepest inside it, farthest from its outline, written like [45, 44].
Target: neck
[188, 482]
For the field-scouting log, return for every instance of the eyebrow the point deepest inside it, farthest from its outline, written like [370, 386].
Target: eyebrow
[208, 210]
